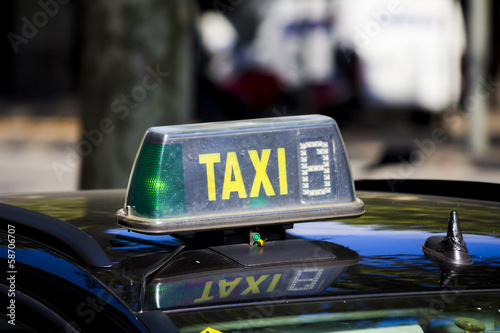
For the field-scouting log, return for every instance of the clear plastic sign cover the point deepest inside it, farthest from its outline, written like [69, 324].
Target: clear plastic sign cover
[239, 173]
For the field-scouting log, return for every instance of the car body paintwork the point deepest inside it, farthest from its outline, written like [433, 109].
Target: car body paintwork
[387, 238]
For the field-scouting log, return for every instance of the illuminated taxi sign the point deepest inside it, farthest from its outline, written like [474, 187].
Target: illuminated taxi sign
[239, 173]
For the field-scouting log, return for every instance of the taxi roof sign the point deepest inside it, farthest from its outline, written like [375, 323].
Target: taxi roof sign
[239, 174]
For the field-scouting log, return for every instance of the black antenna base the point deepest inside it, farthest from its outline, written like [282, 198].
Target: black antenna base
[450, 249]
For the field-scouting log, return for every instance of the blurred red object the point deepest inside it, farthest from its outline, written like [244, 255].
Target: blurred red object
[257, 88]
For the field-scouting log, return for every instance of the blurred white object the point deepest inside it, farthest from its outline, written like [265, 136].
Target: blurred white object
[296, 39]
[410, 51]
[218, 38]
[217, 33]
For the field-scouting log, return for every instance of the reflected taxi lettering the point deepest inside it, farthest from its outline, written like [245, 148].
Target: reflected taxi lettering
[252, 286]
[302, 280]
[225, 286]
[233, 179]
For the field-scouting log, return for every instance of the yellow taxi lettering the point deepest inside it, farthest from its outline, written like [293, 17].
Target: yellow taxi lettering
[205, 296]
[233, 178]
[210, 160]
[274, 282]
[230, 185]
[260, 173]
[282, 171]
[253, 286]
[224, 291]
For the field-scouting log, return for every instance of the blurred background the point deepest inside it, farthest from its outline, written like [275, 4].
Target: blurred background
[413, 84]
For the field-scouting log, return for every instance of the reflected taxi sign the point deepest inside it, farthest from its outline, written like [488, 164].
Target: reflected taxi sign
[239, 174]
[238, 285]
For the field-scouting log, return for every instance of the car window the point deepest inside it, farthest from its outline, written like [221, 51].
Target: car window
[439, 312]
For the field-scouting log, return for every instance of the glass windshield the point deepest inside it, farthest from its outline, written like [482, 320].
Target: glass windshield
[439, 312]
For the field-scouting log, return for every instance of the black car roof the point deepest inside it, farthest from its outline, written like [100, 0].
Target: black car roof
[387, 237]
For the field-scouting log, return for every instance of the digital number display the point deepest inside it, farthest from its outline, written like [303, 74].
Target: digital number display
[231, 174]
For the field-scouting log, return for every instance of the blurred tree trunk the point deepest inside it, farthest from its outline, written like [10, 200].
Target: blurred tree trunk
[479, 49]
[137, 72]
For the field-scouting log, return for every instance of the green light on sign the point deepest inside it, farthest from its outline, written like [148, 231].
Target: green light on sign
[157, 189]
